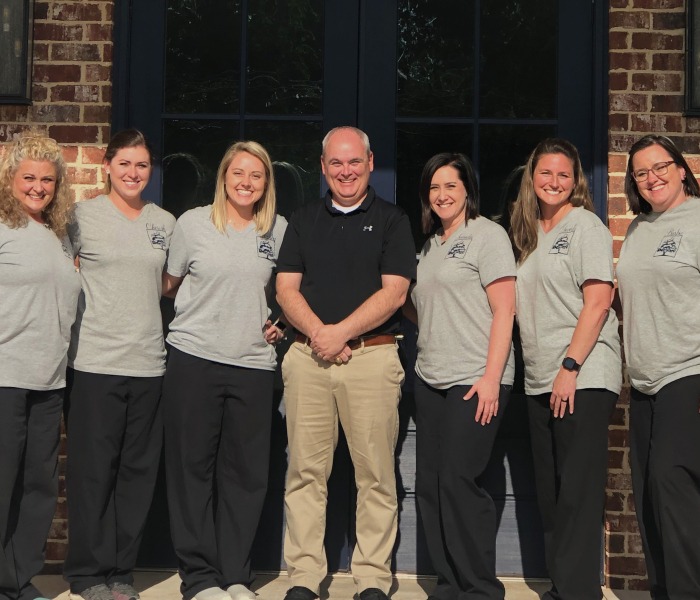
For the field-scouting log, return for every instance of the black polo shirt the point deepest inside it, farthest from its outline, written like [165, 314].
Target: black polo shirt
[342, 257]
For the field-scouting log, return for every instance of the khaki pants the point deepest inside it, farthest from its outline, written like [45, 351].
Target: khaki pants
[364, 395]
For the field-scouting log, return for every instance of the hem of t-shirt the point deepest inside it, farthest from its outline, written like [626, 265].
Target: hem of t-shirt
[613, 387]
[234, 362]
[441, 385]
[98, 370]
[34, 387]
[658, 385]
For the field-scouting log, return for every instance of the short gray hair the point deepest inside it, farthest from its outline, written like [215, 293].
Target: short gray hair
[361, 134]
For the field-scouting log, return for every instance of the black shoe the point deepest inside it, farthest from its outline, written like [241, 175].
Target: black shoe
[299, 592]
[373, 594]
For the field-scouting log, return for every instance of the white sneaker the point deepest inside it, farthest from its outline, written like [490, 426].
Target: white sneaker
[240, 592]
[212, 593]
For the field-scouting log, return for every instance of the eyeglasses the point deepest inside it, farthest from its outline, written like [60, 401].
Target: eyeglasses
[658, 169]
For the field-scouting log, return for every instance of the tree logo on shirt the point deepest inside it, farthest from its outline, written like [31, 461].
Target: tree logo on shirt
[669, 244]
[459, 248]
[156, 235]
[266, 247]
[563, 242]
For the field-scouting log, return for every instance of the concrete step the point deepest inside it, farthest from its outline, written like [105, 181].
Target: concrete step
[164, 585]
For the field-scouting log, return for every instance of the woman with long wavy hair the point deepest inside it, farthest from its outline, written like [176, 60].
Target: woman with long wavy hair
[39, 289]
[571, 351]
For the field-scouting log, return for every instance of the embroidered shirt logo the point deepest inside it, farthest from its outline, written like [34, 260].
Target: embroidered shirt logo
[669, 244]
[266, 247]
[156, 235]
[459, 247]
[563, 242]
[367, 228]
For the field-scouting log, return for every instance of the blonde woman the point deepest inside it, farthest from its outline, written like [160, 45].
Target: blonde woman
[39, 289]
[219, 382]
[571, 351]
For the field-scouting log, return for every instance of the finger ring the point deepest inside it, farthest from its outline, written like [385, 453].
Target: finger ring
[338, 360]
[564, 400]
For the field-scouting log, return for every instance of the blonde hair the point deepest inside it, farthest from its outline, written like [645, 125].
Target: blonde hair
[525, 211]
[35, 146]
[264, 209]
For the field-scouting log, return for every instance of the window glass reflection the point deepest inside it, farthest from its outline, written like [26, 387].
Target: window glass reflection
[203, 56]
[285, 59]
[435, 58]
[518, 59]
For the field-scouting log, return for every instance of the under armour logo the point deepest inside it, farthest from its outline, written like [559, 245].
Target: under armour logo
[367, 228]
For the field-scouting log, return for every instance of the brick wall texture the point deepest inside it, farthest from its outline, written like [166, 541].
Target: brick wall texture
[71, 101]
[646, 95]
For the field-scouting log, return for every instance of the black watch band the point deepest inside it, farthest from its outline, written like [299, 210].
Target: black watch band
[570, 364]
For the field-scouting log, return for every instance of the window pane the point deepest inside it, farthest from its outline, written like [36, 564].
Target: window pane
[415, 145]
[503, 148]
[435, 58]
[519, 59]
[295, 149]
[203, 56]
[192, 151]
[285, 60]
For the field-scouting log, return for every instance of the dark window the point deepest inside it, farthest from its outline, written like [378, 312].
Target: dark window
[693, 59]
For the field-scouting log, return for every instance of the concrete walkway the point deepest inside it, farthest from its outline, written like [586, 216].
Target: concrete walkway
[162, 585]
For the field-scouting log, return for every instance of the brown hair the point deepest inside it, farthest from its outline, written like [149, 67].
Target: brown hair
[525, 211]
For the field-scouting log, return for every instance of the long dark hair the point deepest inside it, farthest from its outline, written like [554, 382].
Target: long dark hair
[467, 176]
[634, 198]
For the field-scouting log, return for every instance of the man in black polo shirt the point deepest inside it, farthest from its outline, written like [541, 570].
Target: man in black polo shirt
[343, 273]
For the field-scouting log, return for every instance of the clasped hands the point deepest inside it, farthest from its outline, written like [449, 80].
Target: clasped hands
[330, 343]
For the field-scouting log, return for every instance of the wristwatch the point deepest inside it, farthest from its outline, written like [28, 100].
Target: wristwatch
[570, 364]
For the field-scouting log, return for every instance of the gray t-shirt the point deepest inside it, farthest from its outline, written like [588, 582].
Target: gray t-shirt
[39, 289]
[550, 299]
[454, 316]
[659, 279]
[222, 304]
[119, 328]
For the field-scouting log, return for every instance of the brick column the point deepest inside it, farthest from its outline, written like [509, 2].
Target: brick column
[646, 95]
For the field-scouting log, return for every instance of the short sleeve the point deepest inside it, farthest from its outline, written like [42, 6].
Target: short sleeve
[73, 230]
[399, 250]
[290, 257]
[594, 259]
[496, 258]
[178, 254]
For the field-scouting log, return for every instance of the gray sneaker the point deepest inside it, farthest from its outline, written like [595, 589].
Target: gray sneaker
[96, 592]
[123, 591]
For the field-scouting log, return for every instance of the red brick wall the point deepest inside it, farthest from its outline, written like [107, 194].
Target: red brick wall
[647, 94]
[71, 102]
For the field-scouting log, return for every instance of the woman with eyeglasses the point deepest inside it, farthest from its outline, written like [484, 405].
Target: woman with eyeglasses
[659, 278]
[571, 351]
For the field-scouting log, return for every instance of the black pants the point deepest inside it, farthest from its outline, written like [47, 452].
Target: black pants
[115, 435]
[458, 514]
[217, 448]
[665, 459]
[30, 423]
[571, 459]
